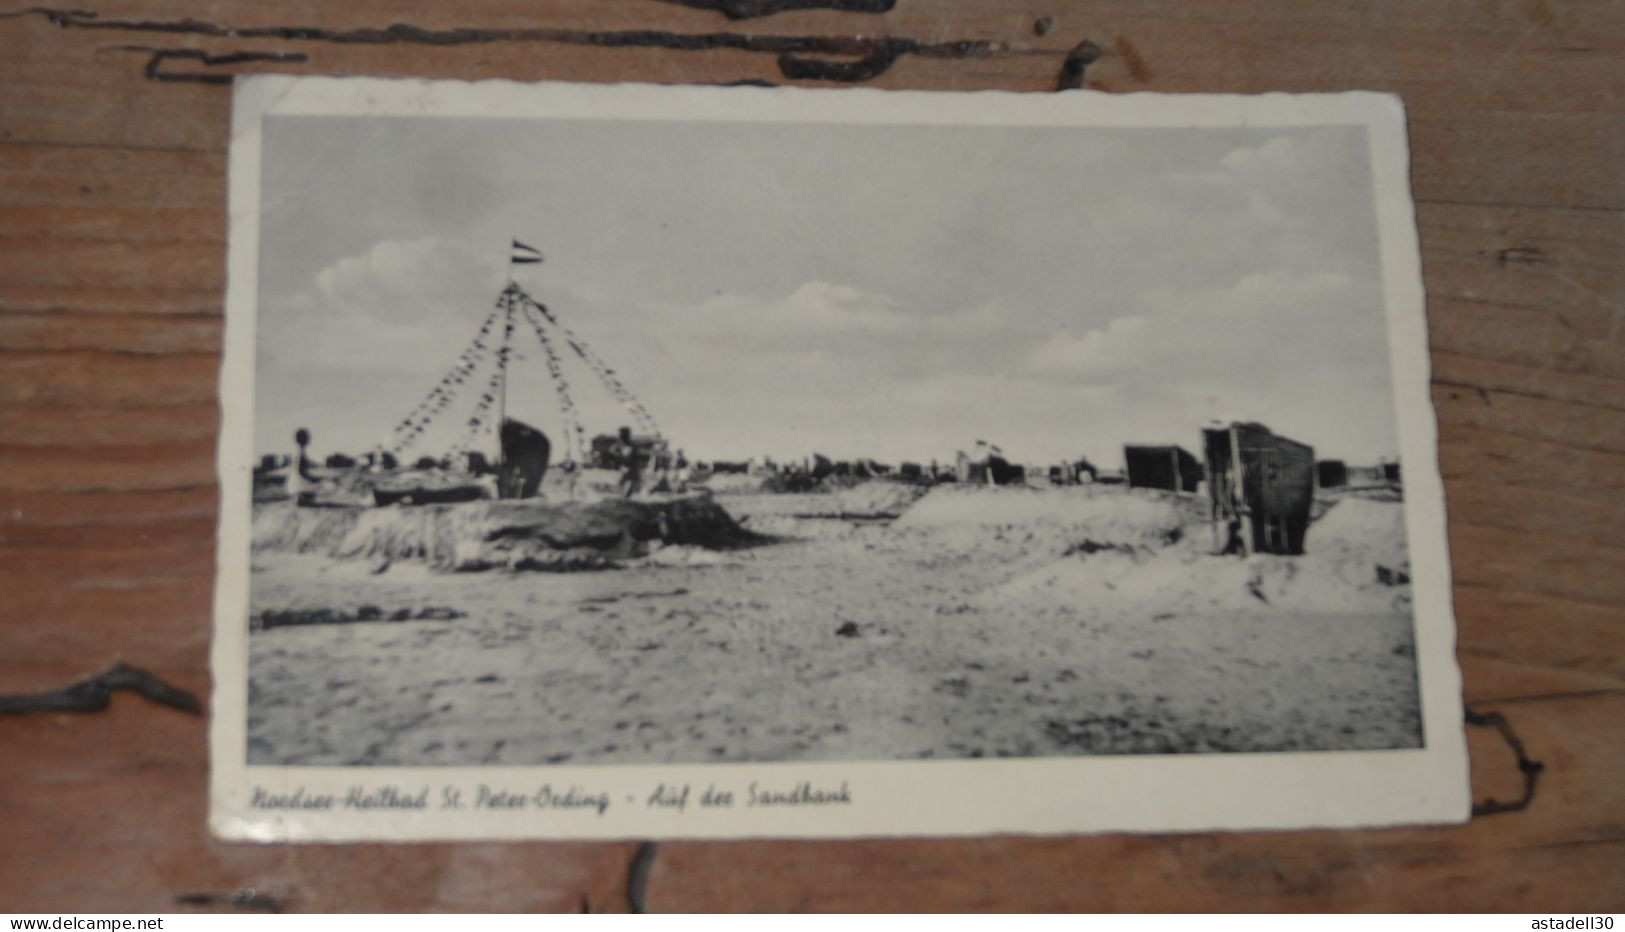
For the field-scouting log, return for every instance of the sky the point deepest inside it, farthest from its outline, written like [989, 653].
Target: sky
[895, 292]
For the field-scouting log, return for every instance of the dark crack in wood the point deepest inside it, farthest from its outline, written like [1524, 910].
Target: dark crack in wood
[252, 900]
[1077, 61]
[750, 9]
[96, 694]
[1521, 255]
[813, 69]
[1528, 767]
[156, 72]
[878, 55]
[637, 877]
[865, 56]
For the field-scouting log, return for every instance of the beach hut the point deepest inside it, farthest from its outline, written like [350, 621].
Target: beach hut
[1260, 486]
[1167, 467]
[1331, 474]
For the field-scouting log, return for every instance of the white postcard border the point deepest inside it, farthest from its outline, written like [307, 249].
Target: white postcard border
[950, 797]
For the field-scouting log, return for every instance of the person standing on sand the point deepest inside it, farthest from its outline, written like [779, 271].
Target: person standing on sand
[979, 466]
[302, 477]
[662, 467]
[631, 463]
[681, 474]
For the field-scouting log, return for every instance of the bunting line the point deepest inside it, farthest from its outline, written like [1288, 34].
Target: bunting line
[410, 429]
[486, 347]
[575, 437]
[640, 414]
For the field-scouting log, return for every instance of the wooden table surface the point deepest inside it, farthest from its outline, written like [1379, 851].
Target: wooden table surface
[113, 132]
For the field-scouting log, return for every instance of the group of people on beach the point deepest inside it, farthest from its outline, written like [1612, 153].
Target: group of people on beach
[641, 457]
[649, 460]
[638, 459]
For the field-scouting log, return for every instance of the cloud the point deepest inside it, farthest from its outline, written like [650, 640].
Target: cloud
[400, 280]
[1092, 351]
[1304, 352]
[816, 328]
[401, 306]
[1266, 329]
[812, 309]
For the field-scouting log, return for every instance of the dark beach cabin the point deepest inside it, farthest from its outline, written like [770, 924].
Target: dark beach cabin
[1261, 487]
[1168, 467]
[1332, 474]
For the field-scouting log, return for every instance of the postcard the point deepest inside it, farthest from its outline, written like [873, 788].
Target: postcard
[625, 461]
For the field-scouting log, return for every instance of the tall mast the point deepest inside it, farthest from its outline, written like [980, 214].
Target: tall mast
[508, 299]
[502, 366]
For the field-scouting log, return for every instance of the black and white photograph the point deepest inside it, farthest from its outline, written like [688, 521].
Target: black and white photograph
[779, 436]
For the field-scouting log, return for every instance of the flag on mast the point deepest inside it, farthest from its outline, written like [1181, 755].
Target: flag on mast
[525, 255]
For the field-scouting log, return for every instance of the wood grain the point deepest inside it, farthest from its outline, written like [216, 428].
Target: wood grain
[112, 248]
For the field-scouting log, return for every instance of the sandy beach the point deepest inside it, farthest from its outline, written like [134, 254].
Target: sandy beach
[877, 625]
